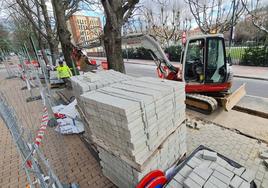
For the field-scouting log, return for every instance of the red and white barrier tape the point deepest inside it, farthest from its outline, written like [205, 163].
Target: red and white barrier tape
[40, 133]
[42, 129]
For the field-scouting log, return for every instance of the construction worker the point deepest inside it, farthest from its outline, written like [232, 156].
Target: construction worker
[63, 71]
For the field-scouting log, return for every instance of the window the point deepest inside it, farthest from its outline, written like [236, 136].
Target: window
[215, 72]
[194, 67]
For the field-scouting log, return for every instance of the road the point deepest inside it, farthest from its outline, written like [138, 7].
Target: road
[253, 87]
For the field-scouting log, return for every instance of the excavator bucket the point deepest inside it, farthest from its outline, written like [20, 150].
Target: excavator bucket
[229, 101]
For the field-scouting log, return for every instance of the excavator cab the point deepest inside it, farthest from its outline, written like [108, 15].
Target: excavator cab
[204, 61]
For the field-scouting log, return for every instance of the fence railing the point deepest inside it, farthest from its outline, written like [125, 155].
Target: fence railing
[251, 54]
[26, 110]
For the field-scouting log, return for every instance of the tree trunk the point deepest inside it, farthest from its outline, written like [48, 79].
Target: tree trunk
[51, 39]
[54, 51]
[63, 33]
[113, 48]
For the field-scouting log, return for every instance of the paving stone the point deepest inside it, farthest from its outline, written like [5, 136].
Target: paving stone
[221, 177]
[214, 165]
[190, 183]
[198, 179]
[239, 171]
[216, 182]
[203, 172]
[209, 155]
[244, 184]
[179, 178]
[205, 164]
[221, 162]
[185, 171]
[248, 175]
[236, 182]
[224, 171]
[174, 184]
[209, 185]
[194, 162]
[229, 167]
[264, 155]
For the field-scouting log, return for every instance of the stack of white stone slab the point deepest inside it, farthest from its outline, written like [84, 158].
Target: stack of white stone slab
[124, 175]
[206, 169]
[92, 81]
[137, 126]
[133, 118]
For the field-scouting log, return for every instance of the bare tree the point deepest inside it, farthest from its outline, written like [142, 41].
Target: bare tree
[246, 31]
[163, 21]
[117, 12]
[215, 16]
[257, 13]
[165, 25]
[36, 12]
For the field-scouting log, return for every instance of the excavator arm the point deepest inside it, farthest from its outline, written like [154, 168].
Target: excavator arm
[149, 43]
[141, 40]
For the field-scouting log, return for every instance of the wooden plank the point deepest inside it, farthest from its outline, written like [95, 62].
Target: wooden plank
[231, 100]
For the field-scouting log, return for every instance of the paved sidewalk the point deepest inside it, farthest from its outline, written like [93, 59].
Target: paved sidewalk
[247, 124]
[68, 156]
[250, 72]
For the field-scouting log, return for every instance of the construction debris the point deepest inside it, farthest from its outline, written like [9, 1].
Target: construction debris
[70, 123]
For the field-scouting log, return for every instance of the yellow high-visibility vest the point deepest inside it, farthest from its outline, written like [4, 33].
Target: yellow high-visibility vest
[64, 72]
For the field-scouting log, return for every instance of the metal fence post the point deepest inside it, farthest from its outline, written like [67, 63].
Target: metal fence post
[43, 91]
[30, 164]
[32, 98]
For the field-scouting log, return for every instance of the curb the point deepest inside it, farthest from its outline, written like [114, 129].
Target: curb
[129, 62]
[251, 111]
[250, 77]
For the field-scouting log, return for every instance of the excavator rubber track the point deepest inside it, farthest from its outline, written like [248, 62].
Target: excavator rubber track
[201, 103]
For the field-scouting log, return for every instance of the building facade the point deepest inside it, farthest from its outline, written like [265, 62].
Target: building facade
[84, 28]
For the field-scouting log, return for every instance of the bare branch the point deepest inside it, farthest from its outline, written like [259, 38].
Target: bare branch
[211, 16]
[256, 19]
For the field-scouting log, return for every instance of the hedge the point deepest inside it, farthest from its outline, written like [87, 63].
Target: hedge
[251, 56]
[255, 56]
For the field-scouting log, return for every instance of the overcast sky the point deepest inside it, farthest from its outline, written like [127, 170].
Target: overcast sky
[152, 4]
